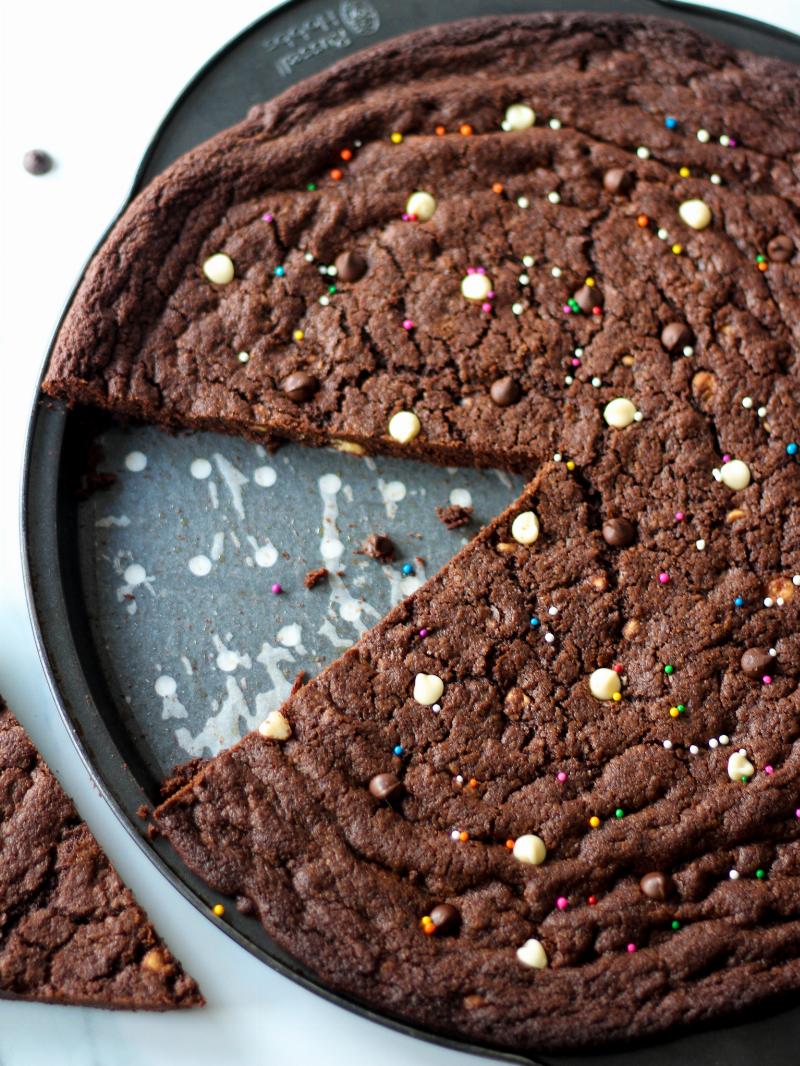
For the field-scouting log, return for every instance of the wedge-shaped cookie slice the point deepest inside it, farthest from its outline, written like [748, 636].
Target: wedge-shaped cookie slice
[545, 803]
[448, 247]
[70, 931]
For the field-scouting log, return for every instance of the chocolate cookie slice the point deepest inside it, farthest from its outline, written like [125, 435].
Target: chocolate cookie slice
[70, 931]
[528, 807]
[460, 246]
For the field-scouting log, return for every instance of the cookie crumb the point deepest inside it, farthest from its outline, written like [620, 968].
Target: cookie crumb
[378, 546]
[315, 577]
[455, 516]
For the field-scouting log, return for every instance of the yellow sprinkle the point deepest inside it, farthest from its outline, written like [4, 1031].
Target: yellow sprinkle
[218, 909]
[617, 696]
[396, 138]
[684, 172]
[590, 282]
[673, 712]
[570, 464]
[298, 334]
[594, 821]
[677, 248]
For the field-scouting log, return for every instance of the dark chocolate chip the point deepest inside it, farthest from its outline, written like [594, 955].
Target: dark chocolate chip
[618, 181]
[780, 249]
[446, 918]
[37, 161]
[386, 787]
[656, 885]
[756, 662]
[300, 386]
[350, 266]
[619, 532]
[675, 336]
[505, 391]
[587, 298]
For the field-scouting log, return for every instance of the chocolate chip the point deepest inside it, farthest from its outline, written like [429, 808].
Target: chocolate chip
[446, 918]
[618, 181]
[350, 266]
[676, 335]
[656, 885]
[37, 161]
[300, 386]
[587, 298]
[780, 249]
[756, 662]
[387, 787]
[505, 391]
[619, 532]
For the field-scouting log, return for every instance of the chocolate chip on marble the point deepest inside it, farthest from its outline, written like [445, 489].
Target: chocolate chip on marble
[350, 266]
[445, 918]
[656, 885]
[618, 181]
[300, 386]
[38, 162]
[386, 787]
[756, 662]
[781, 248]
[676, 336]
[587, 297]
[505, 392]
[619, 532]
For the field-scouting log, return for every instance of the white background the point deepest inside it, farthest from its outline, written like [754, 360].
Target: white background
[90, 81]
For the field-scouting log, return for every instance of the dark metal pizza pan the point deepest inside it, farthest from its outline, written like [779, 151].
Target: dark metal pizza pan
[102, 637]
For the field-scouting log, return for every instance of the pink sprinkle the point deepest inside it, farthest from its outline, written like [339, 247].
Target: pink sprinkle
[491, 294]
[679, 516]
[406, 216]
[480, 270]
[631, 948]
[767, 679]
[486, 307]
[797, 813]
[576, 362]
[277, 588]
[726, 458]
[423, 633]
[561, 776]
[471, 270]
[567, 309]
[407, 324]
[731, 143]
[267, 217]
[768, 770]
[562, 903]
[663, 578]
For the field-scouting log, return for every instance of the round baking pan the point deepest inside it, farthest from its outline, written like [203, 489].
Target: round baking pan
[152, 662]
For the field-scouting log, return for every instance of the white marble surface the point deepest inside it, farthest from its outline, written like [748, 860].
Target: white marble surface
[90, 85]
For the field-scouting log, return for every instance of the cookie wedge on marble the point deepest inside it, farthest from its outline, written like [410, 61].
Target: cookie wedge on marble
[70, 931]
[528, 807]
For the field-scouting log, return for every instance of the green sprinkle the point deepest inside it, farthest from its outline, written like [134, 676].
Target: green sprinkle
[676, 924]
[619, 813]
[311, 186]
[331, 289]
[760, 259]
[668, 668]
[760, 874]
[681, 708]
[744, 779]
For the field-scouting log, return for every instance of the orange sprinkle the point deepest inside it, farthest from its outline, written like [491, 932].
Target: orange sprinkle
[642, 221]
[429, 930]
[510, 844]
[473, 782]
[440, 131]
[346, 154]
[763, 266]
[336, 174]
[463, 836]
[497, 187]
[465, 130]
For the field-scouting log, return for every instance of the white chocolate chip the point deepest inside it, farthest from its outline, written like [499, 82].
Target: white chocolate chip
[695, 213]
[554, 197]
[476, 286]
[703, 136]
[428, 689]
[421, 204]
[739, 766]
[555, 123]
[619, 413]
[733, 875]
[243, 357]
[219, 268]
[525, 528]
[700, 544]
[519, 117]
[530, 849]
[523, 202]
[693, 749]
[404, 426]
[604, 683]
[275, 727]
[642, 152]
[668, 744]
[735, 474]
[532, 954]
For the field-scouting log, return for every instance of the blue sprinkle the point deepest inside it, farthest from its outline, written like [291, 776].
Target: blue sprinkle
[407, 569]
[738, 602]
[791, 449]
[670, 122]
[534, 622]
[398, 749]
[279, 272]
